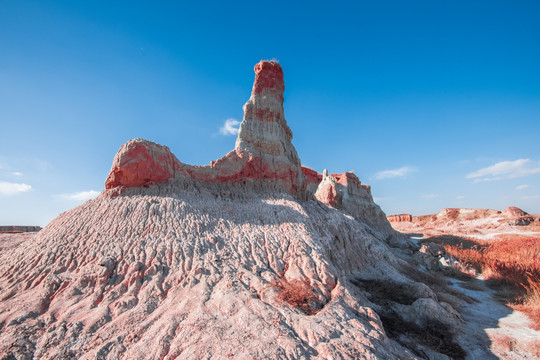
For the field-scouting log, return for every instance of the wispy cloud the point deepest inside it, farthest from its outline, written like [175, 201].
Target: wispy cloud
[460, 197]
[9, 188]
[43, 165]
[79, 196]
[530, 197]
[522, 187]
[430, 196]
[16, 173]
[395, 173]
[230, 127]
[506, 170]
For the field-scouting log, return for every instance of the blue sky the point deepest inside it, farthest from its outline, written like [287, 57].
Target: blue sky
[434, 103]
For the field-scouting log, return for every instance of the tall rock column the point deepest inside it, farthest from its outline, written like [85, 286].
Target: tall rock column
[264, 135]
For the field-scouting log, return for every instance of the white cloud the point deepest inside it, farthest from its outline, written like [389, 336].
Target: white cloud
[506, 170]
[388, 174]
[8, 188]
[460, 197]
[430, 196]
[521, 187]
[230, 127]
[16, 173]
[531, 197]
[79, 196]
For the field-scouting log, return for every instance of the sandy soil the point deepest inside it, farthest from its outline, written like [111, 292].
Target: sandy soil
[493, 330]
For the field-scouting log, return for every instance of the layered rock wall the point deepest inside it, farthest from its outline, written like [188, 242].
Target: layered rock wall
[400, 218]
[19, 228]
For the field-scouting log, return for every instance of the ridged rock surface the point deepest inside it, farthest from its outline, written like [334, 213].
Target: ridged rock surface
[180, 270]
[174, 261]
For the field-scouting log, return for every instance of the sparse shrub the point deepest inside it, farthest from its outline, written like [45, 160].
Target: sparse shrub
[510, 264]
[297, 293]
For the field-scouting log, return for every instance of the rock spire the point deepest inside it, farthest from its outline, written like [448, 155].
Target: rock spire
[264, 133]
[263, 151]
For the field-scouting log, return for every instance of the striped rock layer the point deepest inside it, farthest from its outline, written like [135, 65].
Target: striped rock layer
[263, 151]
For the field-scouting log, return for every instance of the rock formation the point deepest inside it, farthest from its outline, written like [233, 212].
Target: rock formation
[400, 218]
[263, 149]
[142, 163]
[466, 221]
[19, 228]
[252, 256]
[346, 192]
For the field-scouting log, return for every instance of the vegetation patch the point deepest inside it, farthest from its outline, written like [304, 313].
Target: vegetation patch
[298, 294]
[509, 263]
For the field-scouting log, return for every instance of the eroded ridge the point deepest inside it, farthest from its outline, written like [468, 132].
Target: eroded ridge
[251, 256]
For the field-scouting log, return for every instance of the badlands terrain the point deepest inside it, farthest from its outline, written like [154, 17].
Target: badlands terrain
[253, 256]
[496, 254]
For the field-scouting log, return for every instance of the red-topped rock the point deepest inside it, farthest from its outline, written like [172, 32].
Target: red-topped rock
[264, 135]
[263, 150]
[268, 79]
[141, 162]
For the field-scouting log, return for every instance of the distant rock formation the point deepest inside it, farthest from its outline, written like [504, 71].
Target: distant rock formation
[19, 228]
[460, 220]
[251, 256]
[514, 212]
[400, 218]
